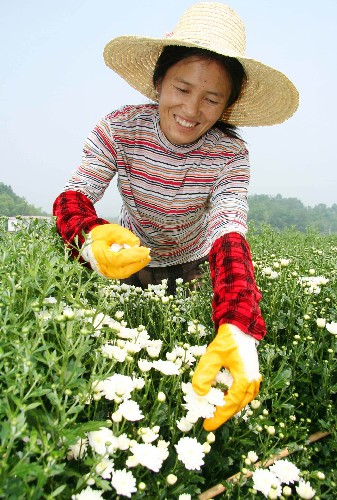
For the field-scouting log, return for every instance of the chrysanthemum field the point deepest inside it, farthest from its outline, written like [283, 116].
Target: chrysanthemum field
[96, 398]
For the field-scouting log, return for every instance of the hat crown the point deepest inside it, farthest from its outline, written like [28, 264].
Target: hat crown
[213, 26]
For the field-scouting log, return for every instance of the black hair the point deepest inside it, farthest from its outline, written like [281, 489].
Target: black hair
[172, 54]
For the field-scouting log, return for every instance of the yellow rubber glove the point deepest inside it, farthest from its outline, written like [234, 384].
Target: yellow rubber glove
[114, 252]
[236, 351]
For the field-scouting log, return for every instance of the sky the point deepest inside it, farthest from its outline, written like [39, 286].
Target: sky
[54, 87]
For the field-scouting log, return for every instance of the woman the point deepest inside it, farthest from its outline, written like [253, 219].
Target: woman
[183, 175]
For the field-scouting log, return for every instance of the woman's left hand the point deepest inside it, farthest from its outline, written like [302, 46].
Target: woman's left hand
[236, 351]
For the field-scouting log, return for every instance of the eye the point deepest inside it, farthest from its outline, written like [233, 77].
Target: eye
[211, 101]
[183, 91]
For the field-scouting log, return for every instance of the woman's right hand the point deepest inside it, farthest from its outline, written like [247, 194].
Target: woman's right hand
[114, 252]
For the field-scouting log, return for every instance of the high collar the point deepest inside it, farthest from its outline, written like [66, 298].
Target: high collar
[176, 148]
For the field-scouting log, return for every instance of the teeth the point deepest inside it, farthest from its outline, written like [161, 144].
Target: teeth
[184, 123]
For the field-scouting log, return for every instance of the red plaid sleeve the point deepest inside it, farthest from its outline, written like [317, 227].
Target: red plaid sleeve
[235, 293]
[75, 216]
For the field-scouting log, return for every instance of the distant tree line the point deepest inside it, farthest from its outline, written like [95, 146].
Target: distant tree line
[11, 204]
[281, 213]
[276, 211]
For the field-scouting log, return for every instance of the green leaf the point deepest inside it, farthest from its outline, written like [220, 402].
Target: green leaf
[58, 490]
[33, 405]
[24, 469]
[280, 379]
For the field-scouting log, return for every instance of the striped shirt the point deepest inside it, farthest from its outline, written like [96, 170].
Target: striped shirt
[178, 199]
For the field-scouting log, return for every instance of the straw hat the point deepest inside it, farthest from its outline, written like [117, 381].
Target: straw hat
[268, 96]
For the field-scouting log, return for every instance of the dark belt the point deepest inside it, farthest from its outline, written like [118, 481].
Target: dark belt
[154, 275]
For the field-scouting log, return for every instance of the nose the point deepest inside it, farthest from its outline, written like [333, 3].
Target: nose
[192, 106]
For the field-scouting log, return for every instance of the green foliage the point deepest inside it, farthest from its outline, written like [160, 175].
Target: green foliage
[282, 213]
[12, 204]
[56, 319]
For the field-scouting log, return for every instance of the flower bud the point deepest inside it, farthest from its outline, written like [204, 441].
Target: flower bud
[171, 479]
[210, 437]
[255, 404]
[161, 397]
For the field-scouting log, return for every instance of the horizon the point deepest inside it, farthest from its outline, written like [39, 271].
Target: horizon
[116, 214]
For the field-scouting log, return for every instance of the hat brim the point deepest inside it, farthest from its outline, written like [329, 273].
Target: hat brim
[268, 97]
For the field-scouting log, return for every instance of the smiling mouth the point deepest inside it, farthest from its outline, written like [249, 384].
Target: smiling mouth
[184, 123]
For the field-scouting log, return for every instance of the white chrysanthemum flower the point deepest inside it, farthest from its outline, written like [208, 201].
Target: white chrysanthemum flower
[130, 410]
[224, 377]
[184, 425]
[114, 352]
[127, 333]
[163, 445]
[181, 355]
[88, 494]
[193, 416]
[171, 356]
[148, 435]
[78, 450]
[166, 367]
[284, 262]
[312, 284]
[305, 490]
[197, 350]
[104, 468]
[154, 347]
[184, 496]
[149, 456]
[139, 383]
[133, 347]
[252, 456]
[267, 271]
[144, 365]
[99, 320]
[123, 442]
[285, 471]
[115, 387]
[196, 328]
[332, 327]
[264, 481]
[203, 406]
[131, 461]
[143, 338]
[187, 359]
[102, 441]
[191, 327]
[123, 482]
[190, 452]
[202, 332]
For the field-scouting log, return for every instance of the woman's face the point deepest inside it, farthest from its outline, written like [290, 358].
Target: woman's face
[192, 97]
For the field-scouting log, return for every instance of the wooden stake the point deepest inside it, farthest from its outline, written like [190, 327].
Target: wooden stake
[220, 488]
